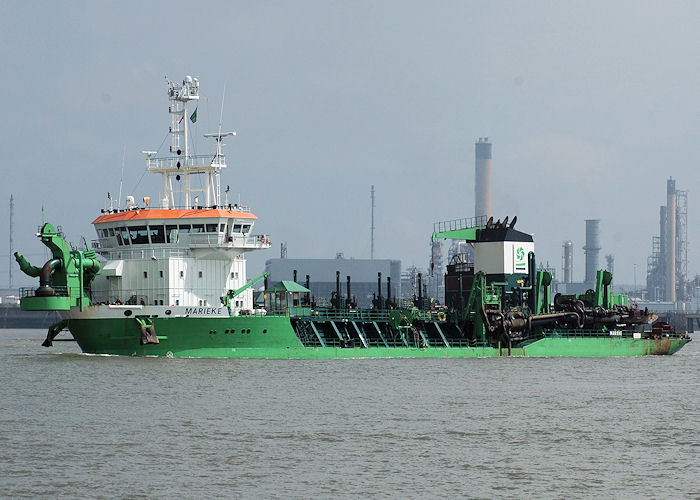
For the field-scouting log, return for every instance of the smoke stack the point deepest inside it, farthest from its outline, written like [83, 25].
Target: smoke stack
[592, 249]
[568, 261]
[482, 179]
[337, 289]
[662, 237]
[670, 249]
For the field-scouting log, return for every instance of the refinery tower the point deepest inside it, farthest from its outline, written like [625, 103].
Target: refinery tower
[667, 266]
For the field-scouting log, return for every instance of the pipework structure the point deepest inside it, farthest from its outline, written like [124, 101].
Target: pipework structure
[436, 275]
[482, 178]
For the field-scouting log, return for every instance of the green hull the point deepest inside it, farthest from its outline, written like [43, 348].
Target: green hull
[272, 337]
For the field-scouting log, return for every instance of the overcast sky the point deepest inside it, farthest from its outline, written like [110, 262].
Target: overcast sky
[590, 106]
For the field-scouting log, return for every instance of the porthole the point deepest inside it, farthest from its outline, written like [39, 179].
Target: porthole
[265, 330]
[168, 312]
[127, 313]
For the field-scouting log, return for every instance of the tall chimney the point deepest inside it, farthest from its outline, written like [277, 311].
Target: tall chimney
[670, 249]
[662, 238]
[568, 261]
[482, 179]
[592, 249]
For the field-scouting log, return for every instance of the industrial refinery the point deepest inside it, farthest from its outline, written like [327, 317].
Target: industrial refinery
[667, 266]
[668, 287]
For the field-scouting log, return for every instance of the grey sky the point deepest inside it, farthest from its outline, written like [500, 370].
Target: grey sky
[591, 106]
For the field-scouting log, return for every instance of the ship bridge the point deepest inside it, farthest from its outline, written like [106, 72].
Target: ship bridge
[188, 248]
[154, 229]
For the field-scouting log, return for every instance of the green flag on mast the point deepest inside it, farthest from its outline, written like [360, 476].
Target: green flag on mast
[193, 116]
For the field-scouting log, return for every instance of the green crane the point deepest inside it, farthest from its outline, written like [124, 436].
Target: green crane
[232, 294]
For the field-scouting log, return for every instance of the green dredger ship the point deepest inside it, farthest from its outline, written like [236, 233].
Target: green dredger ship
[171, 281]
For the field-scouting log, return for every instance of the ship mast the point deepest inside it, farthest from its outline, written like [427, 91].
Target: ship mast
[181, 165]
[12, 236]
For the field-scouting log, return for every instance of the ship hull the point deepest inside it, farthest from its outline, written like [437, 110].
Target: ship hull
[273, 337]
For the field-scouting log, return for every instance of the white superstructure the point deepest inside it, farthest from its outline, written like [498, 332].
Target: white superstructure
[191, 249]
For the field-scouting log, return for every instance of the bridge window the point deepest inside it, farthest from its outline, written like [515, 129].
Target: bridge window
[197, 228]
[185, 228]
[237, 228]
[157, 234]
[139, 235]
[212, 228]
[171, 233]
[111, 231]
[246, 228]
[122, 236]
[222, 228]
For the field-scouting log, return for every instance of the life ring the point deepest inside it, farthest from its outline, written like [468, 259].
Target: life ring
[441, 316]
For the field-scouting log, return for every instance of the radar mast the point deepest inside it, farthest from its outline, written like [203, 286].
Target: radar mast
[178, 168]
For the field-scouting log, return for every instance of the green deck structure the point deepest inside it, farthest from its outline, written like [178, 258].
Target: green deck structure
[509, 316]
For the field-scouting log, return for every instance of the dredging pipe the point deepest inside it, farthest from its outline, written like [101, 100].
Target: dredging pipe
[45, 289]
[26, 267]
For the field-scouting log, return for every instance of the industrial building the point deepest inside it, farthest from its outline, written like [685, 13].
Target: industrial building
[363, 273]
[667, 266]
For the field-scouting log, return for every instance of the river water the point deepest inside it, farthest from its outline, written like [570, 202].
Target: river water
[85, 426]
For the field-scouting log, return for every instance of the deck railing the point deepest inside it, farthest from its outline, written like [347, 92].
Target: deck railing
[120, 253]
[457, 224]
[192, 161]
[182, 248]
[59, 291]
[574, 332]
